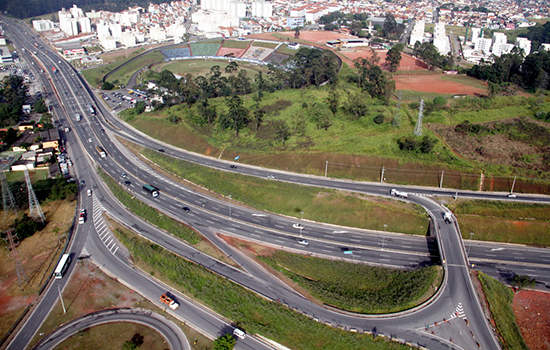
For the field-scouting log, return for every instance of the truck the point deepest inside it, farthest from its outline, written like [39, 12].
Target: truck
[101, 151]
[169, 300]
[153, 191]
[90, 109]
[448, 217]
[397, 193]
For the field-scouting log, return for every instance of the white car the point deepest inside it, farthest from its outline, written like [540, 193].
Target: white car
[512, 195]
[270, 176]
[303, 242]
[90, 140]
[299, 226]
[89, 193]
[239, 333]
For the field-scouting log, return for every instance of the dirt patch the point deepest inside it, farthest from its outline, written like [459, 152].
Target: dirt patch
[532, 310]
[317, 37]
[497, 147]
[223, 51]
[435, 84]
[407, 62]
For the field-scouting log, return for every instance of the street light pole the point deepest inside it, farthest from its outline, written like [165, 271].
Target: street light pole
[229, 196]
[61, 298]
[470, 245]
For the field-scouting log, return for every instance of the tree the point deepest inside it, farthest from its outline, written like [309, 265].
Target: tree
[237, 115]
[393, 57]
[379, 119]
[356, 105]
[40, 106]
[372, 79]
[231, 67]
[297, 32]
[523, 281]
[107, 86]
[282, 131]
[225, 342]
[390, 25]
[333, 100]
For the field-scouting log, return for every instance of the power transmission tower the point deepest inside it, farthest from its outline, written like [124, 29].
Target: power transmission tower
[397, 116]
[21, 276]
[8, 201]
[35, 211]
[418, 127]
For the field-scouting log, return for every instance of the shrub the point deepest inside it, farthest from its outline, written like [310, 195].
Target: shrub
[379, 119]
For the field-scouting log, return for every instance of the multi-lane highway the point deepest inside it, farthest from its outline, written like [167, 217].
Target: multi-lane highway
[456, 298]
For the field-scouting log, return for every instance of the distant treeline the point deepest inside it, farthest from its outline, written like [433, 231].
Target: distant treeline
[33, 8]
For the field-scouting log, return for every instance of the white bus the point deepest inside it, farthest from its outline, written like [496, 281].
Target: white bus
[62, 266]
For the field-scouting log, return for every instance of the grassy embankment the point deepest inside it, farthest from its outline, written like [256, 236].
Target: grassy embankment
[251, 312]
[318, 204]
[94, 76]
[500, 297]
[356, 287]
[521, 223]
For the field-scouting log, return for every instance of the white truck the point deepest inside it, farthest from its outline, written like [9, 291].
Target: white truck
[448, 217]
[397, 193]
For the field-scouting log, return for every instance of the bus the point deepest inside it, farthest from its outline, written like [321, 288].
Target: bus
[62, 266]
[153, 191]
[101, 151]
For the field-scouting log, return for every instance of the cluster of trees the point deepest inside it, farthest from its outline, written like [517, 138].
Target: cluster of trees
[13, 94]
[307, 67]
[530, 73]
[356, 22]
[429, 54]
[372, 79]
[414, 144]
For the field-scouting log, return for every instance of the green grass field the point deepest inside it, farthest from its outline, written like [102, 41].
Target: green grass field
[357, 287]
[520, 223]
[253, 313]
[236, 44]
[265, 44]
[209, 48]
[202, 67]
[500, 297]
[318, 204]
[124, 74]
[283, 49]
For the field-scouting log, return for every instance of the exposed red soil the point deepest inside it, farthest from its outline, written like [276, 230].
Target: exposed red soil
[435, 84]
[407, 62]
[532, 310]
[228, 50]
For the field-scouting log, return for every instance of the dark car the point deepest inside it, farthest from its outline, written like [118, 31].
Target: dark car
[82, 182]
[127, 183]
[161, 150]
[186, 209]
[124, 175]
[102, 130]
[233, 166]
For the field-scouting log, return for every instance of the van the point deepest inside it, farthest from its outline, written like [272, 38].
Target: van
[239, 333]
[78, 117]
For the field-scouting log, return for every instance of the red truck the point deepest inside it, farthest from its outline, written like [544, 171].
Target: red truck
[169, 300]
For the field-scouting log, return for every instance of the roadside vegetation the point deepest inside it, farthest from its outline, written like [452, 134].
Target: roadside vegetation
[317, 204]
[357, 287]
[251, 312]
[521, 223]
[500, 298]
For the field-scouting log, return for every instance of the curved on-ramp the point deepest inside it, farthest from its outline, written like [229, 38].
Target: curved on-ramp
[174, 336]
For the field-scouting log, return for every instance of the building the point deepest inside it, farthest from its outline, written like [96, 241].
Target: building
[50, 138]
[108, 43]
[483, 45]
[128, 39]
[42, 25]
[498, 44]
[157, 33]
[262, 9]
[293, 22]
[441, 41]
[84, 24]
[524, 44]
[5, 55]
[417, 33]
[67, 23]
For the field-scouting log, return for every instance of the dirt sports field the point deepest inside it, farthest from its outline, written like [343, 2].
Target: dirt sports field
[425, 83]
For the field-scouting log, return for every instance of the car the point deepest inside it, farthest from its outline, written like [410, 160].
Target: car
[82, 182]
[233, 166]
[270, 176]
[89, 193]
[90, 140]
[102, 130]
[300, 226]
[82, 211]
[512, 195]
[303, 242]
[127, 183]
[186, 209]
[239, 333]
[124, 175]
[161, 150]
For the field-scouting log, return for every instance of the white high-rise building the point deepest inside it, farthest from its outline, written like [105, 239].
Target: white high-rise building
[483, 45]
[108, 43]
[128, 39]
[116, 30]
[476, 34]
[524, 44]
[176, 30]
[263, 9]
[66, 22]
[441, 41]
[76, 12]
[42, 24]
[102, 30]
[237, 8]
[84, 24]
[499, 42]
[216, 5]
[417, 33]
[157, 33]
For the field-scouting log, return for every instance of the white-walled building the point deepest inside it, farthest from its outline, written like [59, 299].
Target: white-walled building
[476, 34]
[237, 8]
[85, 25]
[544, 47]
[157, 33]
[102, 30]
[108, 43]
[498, 44]
[42, 24]
[263, 9]
[128, 39]
[116, 30]
[483, 45]
[524, 44]
[176, 30]
[441, 41]
[67, 23]
[417, 33]
[210, 21]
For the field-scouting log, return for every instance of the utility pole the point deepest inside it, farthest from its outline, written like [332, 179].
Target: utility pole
[441, 180]
[513, 184]
[11, 237]
[326, 168]
[382, 175]
[61, 298]
[34, 206]
[229, 196]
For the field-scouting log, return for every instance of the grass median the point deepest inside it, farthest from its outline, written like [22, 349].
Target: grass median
[357, 287]
[252, 312]
[500, 297]
[317, 204]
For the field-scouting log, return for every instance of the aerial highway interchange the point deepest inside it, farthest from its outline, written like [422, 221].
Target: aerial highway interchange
[68, 94]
